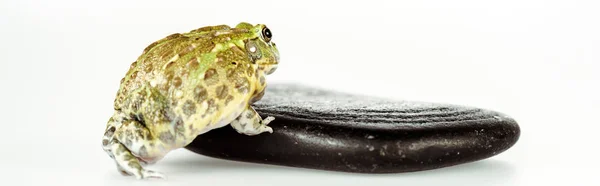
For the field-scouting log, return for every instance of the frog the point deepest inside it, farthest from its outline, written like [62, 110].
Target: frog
[185, 85]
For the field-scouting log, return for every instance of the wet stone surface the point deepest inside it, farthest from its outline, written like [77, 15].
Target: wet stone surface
[326, 130]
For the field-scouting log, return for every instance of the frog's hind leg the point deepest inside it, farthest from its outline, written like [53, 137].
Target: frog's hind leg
[130, 144]
[250, 123]
[108, 137]
[128, 164]
[112, 125]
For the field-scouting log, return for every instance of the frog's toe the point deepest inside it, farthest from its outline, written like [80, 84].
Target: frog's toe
[263, 129]
[268, 129]
[268, 120]
[145, 174]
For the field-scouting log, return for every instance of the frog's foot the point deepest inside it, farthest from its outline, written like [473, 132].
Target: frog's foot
[132, 147]
[127, 164]
[250, 123]
[125, 173]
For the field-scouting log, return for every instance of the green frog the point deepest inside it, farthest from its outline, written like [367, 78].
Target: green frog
[184, 85]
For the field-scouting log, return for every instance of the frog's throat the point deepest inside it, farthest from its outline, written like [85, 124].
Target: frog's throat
[268, 68]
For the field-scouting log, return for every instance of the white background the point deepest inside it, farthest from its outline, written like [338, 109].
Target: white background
[535, 60]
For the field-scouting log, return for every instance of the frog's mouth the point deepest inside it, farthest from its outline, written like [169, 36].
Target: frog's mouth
[269, 68]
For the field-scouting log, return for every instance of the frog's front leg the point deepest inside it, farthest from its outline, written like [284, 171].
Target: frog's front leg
[250, 123]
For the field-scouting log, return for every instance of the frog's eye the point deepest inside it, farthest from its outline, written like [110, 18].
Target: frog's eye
[267, 34]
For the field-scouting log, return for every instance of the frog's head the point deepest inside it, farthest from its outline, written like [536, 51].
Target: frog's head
[260, 47]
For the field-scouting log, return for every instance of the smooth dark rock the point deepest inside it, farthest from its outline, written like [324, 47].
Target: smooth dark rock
[326, 130]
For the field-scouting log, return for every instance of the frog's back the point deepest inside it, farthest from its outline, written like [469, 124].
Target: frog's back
[166, 63]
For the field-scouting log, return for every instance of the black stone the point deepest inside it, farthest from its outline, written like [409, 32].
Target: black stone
[320, 129]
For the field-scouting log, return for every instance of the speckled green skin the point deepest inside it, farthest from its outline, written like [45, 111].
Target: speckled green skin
[187, 84]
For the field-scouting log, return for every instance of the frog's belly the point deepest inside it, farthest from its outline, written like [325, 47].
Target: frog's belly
[223, 122]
